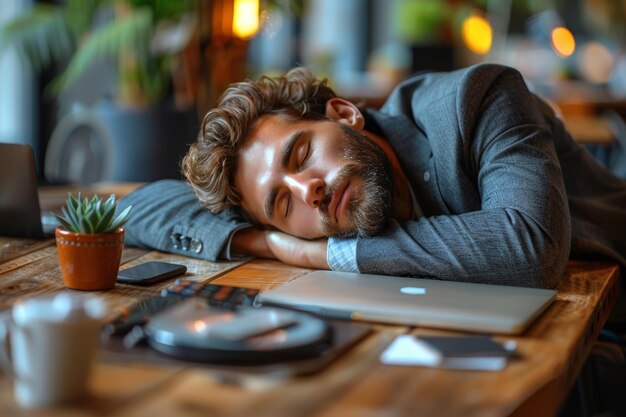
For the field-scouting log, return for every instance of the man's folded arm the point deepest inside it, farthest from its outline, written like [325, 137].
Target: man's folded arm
[168, 217]
[499, 247]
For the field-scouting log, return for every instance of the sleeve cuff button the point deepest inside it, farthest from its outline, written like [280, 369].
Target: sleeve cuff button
[196, 245]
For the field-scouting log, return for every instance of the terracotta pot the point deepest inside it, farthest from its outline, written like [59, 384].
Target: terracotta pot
[89, 261]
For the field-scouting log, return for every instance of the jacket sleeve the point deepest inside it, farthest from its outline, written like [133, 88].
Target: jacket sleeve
[167, 216]
[520, 234]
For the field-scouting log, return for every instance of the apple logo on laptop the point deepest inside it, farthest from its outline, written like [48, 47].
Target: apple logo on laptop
[413, 290]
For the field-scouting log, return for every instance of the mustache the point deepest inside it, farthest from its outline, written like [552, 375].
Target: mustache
[346, 172]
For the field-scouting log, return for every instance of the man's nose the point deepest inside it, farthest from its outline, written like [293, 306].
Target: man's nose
[310, 190]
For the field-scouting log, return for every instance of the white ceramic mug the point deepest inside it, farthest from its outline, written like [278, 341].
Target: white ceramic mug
[53, 341]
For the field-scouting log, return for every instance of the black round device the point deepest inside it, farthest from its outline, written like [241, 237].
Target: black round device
[196, 331]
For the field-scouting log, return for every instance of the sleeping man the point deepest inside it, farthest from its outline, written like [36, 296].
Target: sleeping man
[463, 176]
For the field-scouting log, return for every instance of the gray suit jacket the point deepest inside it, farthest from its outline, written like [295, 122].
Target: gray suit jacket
[487, 161]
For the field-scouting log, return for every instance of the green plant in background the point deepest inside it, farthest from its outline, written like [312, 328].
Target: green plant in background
[423, 21]
[147, 40]
[92, 216]
[145, 36]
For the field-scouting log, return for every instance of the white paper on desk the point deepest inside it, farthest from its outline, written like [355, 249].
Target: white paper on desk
[408, 350]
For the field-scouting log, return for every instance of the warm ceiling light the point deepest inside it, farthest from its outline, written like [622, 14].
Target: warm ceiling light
[477, 34]
[563, 42]
[245, 18]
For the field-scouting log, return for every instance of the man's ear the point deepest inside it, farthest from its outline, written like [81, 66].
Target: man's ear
[345, 112]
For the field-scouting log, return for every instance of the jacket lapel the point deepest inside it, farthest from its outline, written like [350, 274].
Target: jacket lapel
[415, 155]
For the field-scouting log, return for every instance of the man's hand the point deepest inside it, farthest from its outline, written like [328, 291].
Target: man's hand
[296, 251]
[281, 246]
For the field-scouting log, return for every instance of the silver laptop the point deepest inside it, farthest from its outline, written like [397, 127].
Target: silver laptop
[20, 215]
[413, 301]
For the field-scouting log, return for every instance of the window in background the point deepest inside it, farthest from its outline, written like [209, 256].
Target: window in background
[335, 37]
[275, 49]
[17, 110]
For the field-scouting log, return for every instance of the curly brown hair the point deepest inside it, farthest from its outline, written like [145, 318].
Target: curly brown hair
[211, 162]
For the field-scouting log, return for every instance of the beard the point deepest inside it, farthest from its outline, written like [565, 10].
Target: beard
[371, 205]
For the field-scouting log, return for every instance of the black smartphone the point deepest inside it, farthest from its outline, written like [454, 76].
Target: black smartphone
[150, 273]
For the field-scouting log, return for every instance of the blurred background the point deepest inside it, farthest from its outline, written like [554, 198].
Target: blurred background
[109, 90]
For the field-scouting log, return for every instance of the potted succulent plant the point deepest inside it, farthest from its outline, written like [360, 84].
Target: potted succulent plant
[90, 242]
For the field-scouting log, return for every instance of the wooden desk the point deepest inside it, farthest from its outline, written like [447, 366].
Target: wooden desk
[553, 351]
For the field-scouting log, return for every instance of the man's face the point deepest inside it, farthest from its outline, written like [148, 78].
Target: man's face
[314, 178]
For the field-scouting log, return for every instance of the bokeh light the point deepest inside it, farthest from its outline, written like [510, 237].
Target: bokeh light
[477, 34]
[563, 42]
[596, 62]
[245, 18]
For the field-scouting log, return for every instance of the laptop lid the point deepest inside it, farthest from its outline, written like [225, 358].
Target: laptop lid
[413, 301]
[19, 202]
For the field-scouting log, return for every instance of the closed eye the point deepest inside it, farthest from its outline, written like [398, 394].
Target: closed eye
[288, 205]
[306, 152]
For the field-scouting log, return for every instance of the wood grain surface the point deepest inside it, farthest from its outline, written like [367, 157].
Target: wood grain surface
[37, 273]
[11, 248]
[552, 352]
